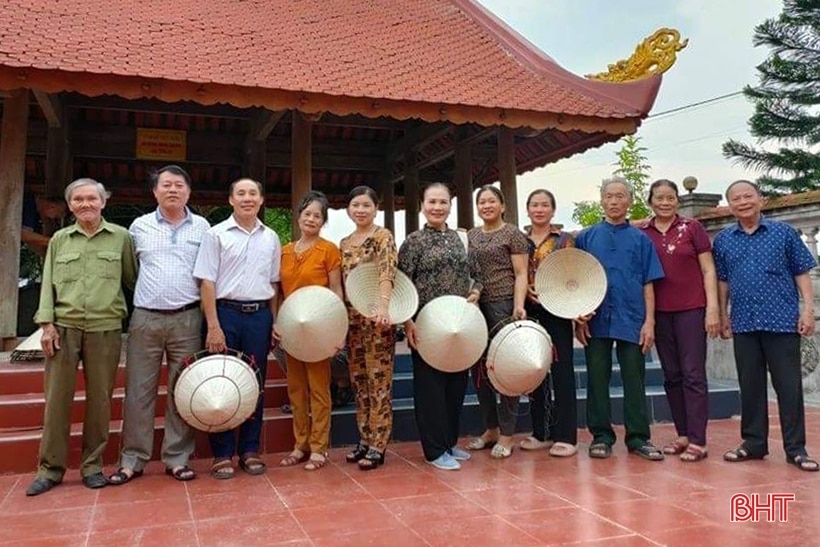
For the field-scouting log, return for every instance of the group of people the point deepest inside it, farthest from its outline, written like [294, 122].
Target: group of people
[219, 287]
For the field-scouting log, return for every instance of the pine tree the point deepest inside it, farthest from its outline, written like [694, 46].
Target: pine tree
[786, 102]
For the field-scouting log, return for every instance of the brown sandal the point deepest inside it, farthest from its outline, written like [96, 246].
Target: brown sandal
[316, 461]
[694, 453]
[675, 447]
[252, 464]
[222, 469]
[294, 458]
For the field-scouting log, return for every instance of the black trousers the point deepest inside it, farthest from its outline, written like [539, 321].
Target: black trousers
[558, 420]
[438, 398]
[781, 352]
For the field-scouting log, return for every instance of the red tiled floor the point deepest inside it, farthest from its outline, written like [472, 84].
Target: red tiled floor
[528, 499]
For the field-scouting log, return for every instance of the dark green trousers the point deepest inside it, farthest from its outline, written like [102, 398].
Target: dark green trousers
[599, 372]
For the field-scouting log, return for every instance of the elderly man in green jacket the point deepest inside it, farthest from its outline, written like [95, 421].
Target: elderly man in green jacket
[82, 306]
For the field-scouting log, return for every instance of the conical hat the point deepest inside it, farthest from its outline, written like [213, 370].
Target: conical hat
[570, 283]
[362, 289]
[216, 393]
[29, 349]
[312, 323]
[519, 358]
[452, 333]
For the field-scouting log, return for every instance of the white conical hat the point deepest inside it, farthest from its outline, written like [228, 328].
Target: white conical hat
[312, 323]
[570, 283]
[216, 393]
[519, 358]
[452, 333]
[362, 289]
[29, 349]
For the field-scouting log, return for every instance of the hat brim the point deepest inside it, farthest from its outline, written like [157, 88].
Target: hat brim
[570, 283]
[312, 323]
[362, 289]
[452, 333]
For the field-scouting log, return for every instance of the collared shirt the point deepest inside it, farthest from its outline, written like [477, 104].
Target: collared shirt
[682, 288]
[312, 267]
[555, 240]
[760, 268]
[83, 277]
[493, 251]
[437, 263]
[243, 265]
[166, 255]
[630, 262]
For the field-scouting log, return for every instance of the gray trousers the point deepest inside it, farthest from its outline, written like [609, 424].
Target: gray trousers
[150, 337]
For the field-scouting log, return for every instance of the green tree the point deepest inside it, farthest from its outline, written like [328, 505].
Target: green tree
[786, 101]
[633, 167]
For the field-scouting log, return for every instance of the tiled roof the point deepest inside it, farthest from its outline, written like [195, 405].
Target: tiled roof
[774, 203]
[432, 51]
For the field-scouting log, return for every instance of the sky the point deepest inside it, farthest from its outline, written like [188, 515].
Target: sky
[584, 36]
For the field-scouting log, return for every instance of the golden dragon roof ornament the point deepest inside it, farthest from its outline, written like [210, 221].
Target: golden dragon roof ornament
[655, 55]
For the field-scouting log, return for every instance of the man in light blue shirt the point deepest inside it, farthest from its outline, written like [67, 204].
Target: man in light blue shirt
[625, 318]
[167, 323]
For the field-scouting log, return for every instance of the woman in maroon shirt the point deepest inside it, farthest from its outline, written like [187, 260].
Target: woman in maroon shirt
[686, 311]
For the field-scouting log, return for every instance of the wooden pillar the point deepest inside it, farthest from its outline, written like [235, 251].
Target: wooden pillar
[12, 174]
[411, 194]
[301, 162]
[389, 198]
[57, 168]
[507, 172]
[463, 179]
[255, 167]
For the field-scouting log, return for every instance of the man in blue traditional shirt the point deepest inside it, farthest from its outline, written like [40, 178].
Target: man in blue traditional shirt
[761, 265]
[625, 318]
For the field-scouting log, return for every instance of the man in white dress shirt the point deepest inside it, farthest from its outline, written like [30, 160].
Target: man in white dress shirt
[238, 266]
[166, 323]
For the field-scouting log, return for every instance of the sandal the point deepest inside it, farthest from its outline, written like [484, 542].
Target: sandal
[294, 458]
[676, 447]
[563, 450]
[500, 451]
[371, 460]
[694, 453]
[480, 443]
[600, 451]
[531, 443]
[647, 451]
[222, 469]
[183, 473]
[121, 477]
[357, 453]
[803, 463]
[316, 461]
[740, 454]
[252, 464]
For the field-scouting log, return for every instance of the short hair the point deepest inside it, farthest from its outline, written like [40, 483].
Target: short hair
[742, 181]
[174, 170]
[662, 182]
[79, 183]
[246, 179]
[617, 180]
[490, 188]
[310, 197]
[432, 185]
[541, 191]
[363, 190]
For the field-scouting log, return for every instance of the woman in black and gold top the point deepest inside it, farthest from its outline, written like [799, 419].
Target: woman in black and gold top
[435, 259]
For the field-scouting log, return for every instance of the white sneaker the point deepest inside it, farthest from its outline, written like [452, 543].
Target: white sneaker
[446, 462]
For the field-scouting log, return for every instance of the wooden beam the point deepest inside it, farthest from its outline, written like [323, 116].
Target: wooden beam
[507, 173]
[411, 194]
[463, 180]
[264, 123]
[302, 163]
[445, 153]
[4, 94]
[388, 198]
[12, 176]
[155, 106]
[361, 122]
[58, 154]
[51, 106]
[416, 138]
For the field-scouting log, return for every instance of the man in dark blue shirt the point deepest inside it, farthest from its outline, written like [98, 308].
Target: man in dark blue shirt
[625, 318]
[35, 211]
[761, 265]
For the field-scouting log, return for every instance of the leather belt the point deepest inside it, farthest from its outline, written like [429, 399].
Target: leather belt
[243, 306]
[186, 307]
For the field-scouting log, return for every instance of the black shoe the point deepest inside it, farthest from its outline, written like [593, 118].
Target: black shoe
[97, 480]
[357, 454]
[40, 485]
[371, 460]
